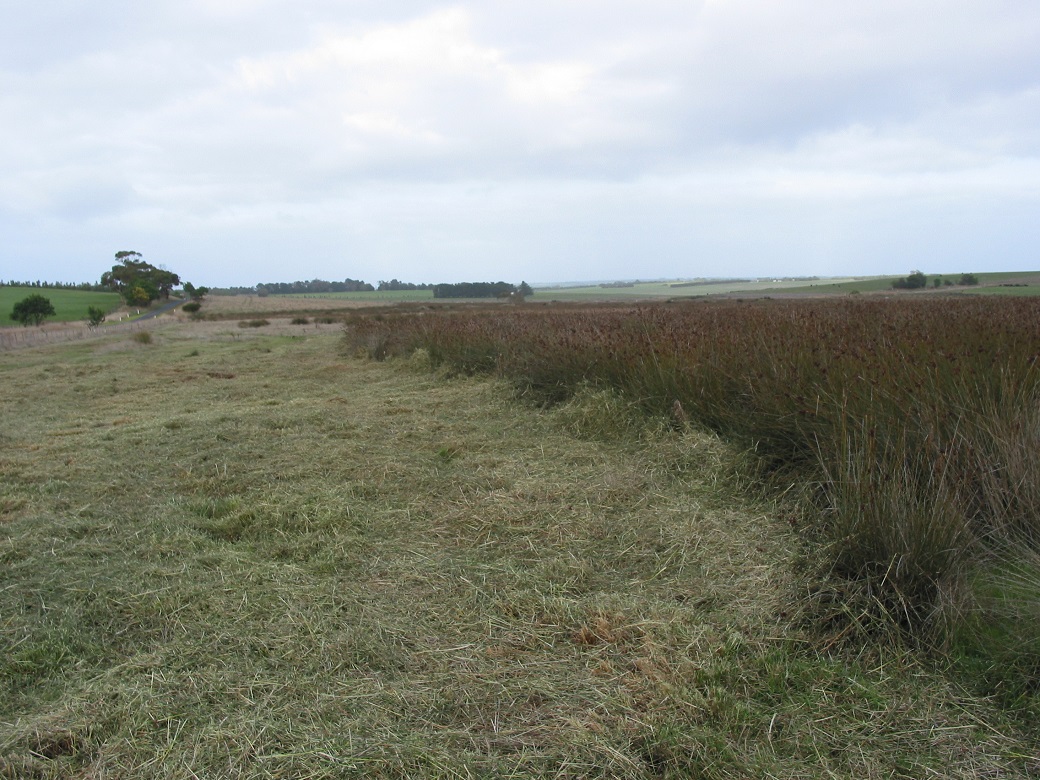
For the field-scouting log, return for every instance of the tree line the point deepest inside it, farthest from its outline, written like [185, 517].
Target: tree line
[319, 286]
[84, 286]
[918, 280]
[481, 290]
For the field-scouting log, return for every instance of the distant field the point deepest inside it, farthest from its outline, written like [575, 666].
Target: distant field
[385, 296]
[670, 289]
[70, 305]
[989, 284]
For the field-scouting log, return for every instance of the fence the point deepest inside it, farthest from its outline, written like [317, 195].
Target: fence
[15, 337]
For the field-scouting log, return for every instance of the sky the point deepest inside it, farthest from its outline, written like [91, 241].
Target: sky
[244, 141]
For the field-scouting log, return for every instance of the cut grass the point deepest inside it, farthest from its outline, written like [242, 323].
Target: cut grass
[259, 558]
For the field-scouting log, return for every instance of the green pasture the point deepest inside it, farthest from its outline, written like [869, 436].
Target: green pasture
[671, 289]
[70, 305]
[989, 284]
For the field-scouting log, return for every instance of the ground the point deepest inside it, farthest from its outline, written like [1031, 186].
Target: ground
[242, 552]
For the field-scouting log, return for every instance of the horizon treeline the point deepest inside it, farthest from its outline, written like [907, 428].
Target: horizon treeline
[318, 286]
[85, 286]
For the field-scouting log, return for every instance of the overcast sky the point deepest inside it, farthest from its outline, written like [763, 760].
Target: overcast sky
[244, 141]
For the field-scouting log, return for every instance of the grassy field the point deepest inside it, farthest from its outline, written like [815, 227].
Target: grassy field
[998, 283]
[664, 289]
[70, 305]
[234, 553]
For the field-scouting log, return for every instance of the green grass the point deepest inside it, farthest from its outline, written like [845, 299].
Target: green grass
[989, 284]
[69, 305]
[253, 556]
[663, 289]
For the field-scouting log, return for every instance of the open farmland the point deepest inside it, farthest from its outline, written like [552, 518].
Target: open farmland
[69, 305]
[234, 553]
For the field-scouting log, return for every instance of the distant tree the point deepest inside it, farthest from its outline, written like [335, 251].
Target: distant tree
[32, 310]
[915, 281]
[937, 282]
[525, 290]
[473, 290]
[95, 316]
[139, 282]
[968, 280]
[195, 293]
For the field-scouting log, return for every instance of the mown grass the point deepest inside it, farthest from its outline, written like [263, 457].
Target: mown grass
[69, 305]
[249, 556]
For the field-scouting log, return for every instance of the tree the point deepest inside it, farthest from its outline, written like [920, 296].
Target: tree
[139, 282]
[968, 280]
[32, 310]
[914, 281]
[195, 293]
[95, 316]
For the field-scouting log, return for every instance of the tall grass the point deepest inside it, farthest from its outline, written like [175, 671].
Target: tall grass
[916, 422]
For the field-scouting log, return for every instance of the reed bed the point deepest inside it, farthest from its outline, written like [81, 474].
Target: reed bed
[910, 427]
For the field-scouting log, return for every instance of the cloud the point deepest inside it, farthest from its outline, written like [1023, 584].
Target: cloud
[456, 133]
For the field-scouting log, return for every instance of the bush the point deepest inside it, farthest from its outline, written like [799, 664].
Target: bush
[915, 281]
[95, 316]
[32, 310]
[253, 323]
[300, 320]
[191, 307]
[142, 337]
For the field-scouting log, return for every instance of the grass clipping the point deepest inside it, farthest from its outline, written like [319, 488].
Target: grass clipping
[255, 557]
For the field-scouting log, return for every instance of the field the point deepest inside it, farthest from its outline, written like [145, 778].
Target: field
[70, 305]
[908, 425]
[249, 552]
[661, 289]
[989, 283]
[1016, 283]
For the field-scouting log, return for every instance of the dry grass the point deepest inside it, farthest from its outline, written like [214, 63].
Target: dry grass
[238, 553]
[227, 306]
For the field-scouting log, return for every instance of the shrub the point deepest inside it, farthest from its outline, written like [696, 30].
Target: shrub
[191, 307]
[915, 281]
[253, 323]
[300, 321]
[32, 310]
[95, 316]
[142, 337]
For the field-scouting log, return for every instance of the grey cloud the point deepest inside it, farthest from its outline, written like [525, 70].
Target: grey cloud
[692, 132]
